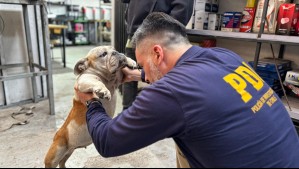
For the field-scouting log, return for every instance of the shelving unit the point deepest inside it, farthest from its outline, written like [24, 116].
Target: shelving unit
[84, 33]
[92, 23]
[250, 37]
[259, 38]
[38, 70]
[103, 20]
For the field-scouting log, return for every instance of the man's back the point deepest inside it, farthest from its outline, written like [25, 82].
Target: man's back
[232, 117]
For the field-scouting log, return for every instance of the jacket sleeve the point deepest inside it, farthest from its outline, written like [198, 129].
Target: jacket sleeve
[182, 10]
[147, 121]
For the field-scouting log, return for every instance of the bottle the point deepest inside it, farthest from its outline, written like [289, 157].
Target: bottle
[250, 3]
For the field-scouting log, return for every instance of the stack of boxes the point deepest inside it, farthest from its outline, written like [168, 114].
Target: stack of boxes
[282, 17]
[205, 15]
[292, 82]
[231, 21]
[266, 69]
[272, 11]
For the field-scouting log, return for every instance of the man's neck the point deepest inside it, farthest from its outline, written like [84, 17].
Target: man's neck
[176, 53]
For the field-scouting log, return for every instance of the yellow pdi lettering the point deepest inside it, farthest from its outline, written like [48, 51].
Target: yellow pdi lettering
[239, 85]
[250, 68]
[239, 79]
[251, 77]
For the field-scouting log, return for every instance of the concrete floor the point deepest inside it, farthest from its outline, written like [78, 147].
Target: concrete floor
[25, 146]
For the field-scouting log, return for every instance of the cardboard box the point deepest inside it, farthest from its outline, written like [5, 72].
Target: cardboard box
[203, 5]
[247, 19]
[215, 6]
[237, 21]
[285, 19]
[201, 20]
[273, 8]
[231, 21]
[295, 23]
[213, 24]
[227, 22]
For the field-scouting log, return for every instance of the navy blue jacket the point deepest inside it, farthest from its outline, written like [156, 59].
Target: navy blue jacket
[138, 10]
[214, 106]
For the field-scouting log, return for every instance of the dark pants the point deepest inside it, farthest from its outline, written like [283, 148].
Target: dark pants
[129, 89]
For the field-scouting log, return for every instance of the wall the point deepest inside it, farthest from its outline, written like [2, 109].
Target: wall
[13, 50]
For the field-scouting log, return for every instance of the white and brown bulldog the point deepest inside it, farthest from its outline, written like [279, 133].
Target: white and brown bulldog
[99, 72]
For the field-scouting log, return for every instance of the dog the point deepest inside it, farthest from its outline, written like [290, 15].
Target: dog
[99, 72]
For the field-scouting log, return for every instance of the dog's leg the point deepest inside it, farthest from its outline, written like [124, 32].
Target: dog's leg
[66, 157]
[101, 91]
[131, 63]
[93, 85]
[54, 155]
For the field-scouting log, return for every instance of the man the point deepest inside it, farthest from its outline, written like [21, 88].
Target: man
[137, 11]
[217, 109]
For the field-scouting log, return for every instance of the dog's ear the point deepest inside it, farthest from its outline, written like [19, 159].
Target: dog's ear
[81, 66]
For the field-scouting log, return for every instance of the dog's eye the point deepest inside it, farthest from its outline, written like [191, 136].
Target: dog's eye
[104, 54]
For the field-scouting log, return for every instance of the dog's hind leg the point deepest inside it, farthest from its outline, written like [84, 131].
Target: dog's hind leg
[54, 156]
[65, 158]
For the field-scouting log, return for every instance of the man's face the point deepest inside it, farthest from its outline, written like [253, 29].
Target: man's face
[154, 72]
[145, 60]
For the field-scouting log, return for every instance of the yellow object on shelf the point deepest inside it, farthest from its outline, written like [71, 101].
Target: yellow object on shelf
[250, 3]
[57, 31]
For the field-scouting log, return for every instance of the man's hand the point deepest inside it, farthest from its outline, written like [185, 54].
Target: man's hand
[84, 97]
[131, 75]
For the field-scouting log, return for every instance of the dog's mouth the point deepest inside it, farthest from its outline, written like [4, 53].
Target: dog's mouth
[117, 65]
[123, 64]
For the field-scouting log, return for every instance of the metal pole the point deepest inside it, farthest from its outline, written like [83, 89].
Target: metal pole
[29, 49]
[259, 44]
[47, 54]
[281, 51]
[2, 56]
[38, 48]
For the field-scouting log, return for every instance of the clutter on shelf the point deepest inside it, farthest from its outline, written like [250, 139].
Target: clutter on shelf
[282, 17]
[267, 69]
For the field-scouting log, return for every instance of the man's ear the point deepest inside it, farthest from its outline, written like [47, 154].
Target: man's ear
[159, 56]
[81, 66]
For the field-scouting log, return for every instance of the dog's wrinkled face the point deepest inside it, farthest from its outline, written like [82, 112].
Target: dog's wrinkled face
[104, 59]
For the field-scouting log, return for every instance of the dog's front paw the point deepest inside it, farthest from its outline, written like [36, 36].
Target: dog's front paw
[103, 93]
[131, 63]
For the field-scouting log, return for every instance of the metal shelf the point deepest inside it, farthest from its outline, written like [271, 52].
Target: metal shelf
[252, 37]
[22, 2]
[279, 39]
[294, 102]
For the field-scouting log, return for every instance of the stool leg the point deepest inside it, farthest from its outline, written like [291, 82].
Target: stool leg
[52, 53]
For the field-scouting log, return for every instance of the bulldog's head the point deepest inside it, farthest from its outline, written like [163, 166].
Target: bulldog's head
[103, 59]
